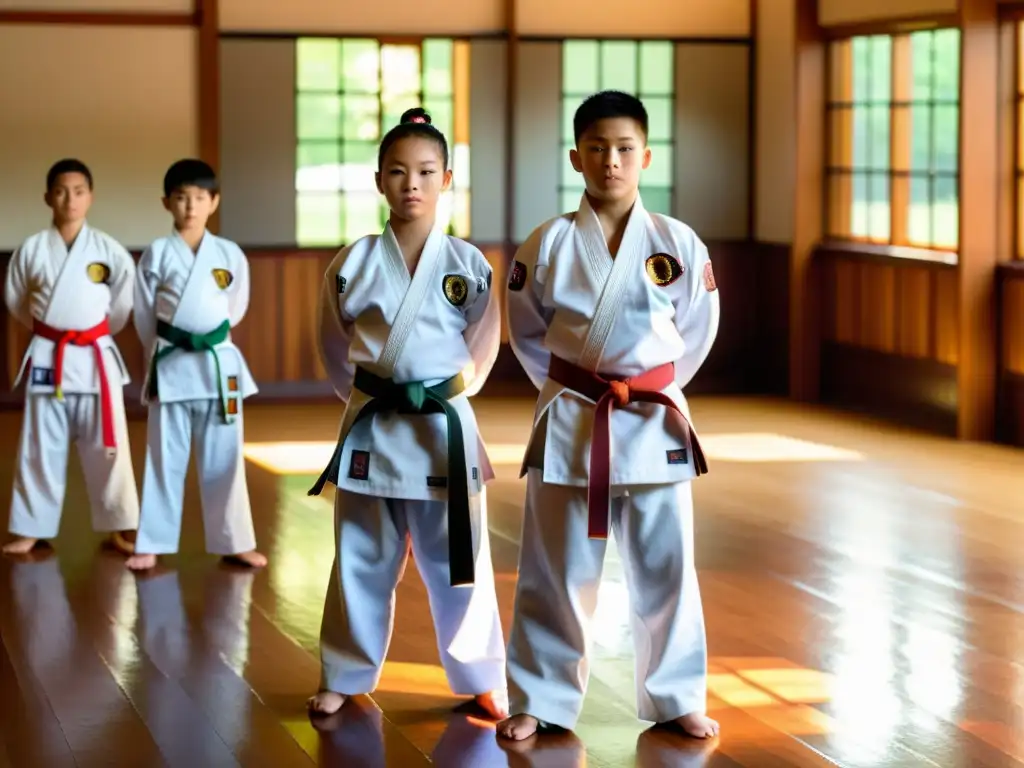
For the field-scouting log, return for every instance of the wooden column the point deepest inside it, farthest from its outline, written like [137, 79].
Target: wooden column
[208, 73]
[979, 231]
[511, 86]
[804, 334]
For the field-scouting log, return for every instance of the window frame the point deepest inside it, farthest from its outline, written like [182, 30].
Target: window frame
[839, 170]
[564, 187]
[460, 119]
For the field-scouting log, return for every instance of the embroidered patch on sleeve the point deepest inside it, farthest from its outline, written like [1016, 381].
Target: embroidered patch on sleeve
[455, 289]
[709, 278]
[340, 283]
[232, 406]
[359, 466]
[232, 383]
[474, 473]
[222, 278]
[42, 377]
[437, 482]
[663, 269]
[517, 279]
[677, 456]
[98, 272]
[481, 285]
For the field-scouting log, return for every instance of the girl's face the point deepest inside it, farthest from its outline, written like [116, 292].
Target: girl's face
[413, 177]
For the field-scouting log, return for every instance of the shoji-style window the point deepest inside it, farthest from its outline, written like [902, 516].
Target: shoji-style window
[894, 139]
[349, 93]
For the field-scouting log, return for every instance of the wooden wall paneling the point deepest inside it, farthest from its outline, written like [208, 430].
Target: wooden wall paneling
[1013, 324]
[979, 157]
[804, 338]
[208, 72]
[913, 317]
[258, 336]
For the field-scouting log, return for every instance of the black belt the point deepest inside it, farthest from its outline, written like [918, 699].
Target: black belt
[415, 398]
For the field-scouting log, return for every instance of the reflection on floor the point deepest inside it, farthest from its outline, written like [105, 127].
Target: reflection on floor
[862, 586]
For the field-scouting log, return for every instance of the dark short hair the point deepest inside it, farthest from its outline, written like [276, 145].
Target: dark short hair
[605, 105]
[414, 122]
[67, 165]
[190, 173]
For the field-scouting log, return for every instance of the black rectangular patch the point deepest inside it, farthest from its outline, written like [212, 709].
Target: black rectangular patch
[341, 283]
[677, 456]
[437, 482]
[42, 377]
[359, 467]
[474, 473]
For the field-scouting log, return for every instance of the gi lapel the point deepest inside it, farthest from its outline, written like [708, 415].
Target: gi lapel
[69, 292]
[414, 292]
[191, 294]
[619, 271]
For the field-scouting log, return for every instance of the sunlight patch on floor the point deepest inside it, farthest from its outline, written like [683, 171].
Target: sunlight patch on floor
[310, 458]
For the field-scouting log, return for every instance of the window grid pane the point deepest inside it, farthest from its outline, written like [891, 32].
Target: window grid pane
[349, 92]
[645, 68]
[870, 128]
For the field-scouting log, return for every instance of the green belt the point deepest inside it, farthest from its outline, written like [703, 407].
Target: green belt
[192, 342]
[415, 398]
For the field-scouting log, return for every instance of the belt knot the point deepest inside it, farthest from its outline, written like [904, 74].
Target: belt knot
[620, 391]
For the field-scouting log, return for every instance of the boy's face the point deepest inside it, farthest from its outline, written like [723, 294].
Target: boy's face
[70, 198]
[413, 177]
[610, 155]
[191, 207]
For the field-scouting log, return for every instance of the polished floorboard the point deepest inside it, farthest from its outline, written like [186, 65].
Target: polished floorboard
[863, 588]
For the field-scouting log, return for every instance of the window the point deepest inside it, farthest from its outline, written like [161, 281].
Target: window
[349, 93]
[644, 68]
[894, 128]
[1019, 147]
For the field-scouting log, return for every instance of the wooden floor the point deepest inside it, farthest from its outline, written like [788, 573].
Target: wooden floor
[864, 593]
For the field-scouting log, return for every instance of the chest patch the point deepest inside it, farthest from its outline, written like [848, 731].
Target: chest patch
[709, 278]
[455, 289]
[222, 278]
[517, 278]
[98, 272]
[43, 377]
[662, 269]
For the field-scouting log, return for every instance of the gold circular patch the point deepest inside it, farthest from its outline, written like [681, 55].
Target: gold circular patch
[98, 272]
[223, 278]
[455, 289]
[663, 269]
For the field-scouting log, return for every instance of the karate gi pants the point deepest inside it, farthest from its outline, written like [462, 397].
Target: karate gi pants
[559, 573]
[227, 515]
[40, 478]
[359, 609]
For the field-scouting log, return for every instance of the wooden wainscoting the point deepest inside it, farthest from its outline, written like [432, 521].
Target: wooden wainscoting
[1010, 295]
[889, 335]
[278, 335]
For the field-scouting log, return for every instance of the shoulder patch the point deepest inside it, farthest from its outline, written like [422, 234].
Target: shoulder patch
[663, 269]
[340, 283]
[517, 278]
[455, 289]
[709, 278]
[98, 272]
[223, 278]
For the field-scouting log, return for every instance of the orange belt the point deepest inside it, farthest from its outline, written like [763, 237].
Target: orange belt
[611, 393]
[87, 338]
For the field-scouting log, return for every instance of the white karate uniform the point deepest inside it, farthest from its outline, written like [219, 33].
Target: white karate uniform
[195, 292]
[393, 478]
[654, 303]
[72, 290]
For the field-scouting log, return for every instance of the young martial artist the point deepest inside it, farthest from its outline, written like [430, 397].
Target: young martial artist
[409, 331]
[611, 311]
[192, 289]
[72, 285]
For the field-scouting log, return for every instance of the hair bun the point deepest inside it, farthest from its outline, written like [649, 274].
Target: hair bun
[416, 115]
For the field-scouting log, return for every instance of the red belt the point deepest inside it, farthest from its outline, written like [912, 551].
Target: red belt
[616, 393]
[87, 338]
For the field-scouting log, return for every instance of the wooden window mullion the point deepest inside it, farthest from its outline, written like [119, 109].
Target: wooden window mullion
[900, 138]
[840, 191]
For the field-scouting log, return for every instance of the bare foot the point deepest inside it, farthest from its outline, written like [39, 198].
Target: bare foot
[518, 727]
[325, 703]
[494, 703]
[141, 562]
[20, 546]
[698, 725]
[251, 559]
[123, 541]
